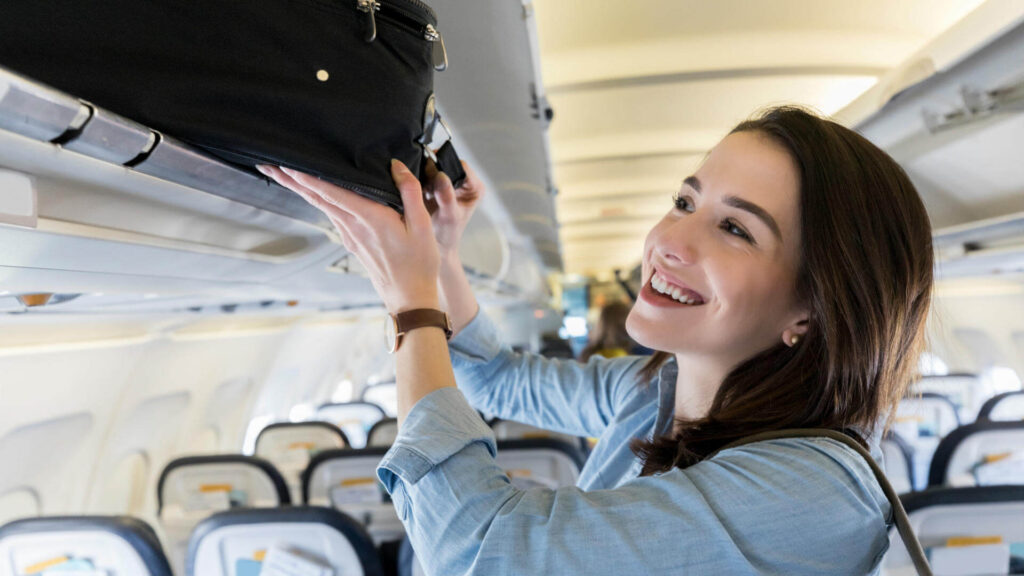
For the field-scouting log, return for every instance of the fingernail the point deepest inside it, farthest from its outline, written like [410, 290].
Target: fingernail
[263, 169]
[397, 164]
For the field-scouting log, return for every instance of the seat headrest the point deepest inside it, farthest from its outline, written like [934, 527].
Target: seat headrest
[355, 418]
[114, 545]
[285, 436]
[383, 433]
[246, 478]
[240, 540]
[957, 449]
[336, 467]
[540, 461]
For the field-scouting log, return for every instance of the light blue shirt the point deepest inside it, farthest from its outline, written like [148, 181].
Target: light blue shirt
[795, 506]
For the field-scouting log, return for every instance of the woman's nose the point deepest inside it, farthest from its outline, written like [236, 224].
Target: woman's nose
[679, 244]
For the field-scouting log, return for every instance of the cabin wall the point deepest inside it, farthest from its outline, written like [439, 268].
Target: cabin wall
[88, 422]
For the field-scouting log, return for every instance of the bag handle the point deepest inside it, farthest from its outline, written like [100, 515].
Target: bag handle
[899, 514]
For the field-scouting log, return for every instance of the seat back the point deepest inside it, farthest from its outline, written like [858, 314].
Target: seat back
[543, 462]
[384, 394]
[290, 445]
[1007, 406]
[945, 519]
[897, 456]
[509, 430]
[984, 454]
[383, 433]
[194, 487]
[354, 418]
[108, 545]
[346, 480]
[929, 414]
[294, 540]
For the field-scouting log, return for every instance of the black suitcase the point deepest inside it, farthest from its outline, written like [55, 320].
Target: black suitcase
[334, 88]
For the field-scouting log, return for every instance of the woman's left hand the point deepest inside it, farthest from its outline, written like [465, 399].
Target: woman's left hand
[399, 252]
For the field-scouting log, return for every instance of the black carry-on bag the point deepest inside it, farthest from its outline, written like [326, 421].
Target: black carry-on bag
[335, 88]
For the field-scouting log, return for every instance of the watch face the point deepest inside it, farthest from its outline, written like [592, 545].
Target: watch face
[390, 332]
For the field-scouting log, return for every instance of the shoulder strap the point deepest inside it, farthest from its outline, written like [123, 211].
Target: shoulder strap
[899, 514]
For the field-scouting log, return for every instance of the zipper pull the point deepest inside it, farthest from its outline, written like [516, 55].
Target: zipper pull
[369, 6]
[440, 55]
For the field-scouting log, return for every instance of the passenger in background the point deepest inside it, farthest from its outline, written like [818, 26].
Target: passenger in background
[609, 338]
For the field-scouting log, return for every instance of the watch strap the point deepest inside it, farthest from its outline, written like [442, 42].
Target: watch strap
[420, 317]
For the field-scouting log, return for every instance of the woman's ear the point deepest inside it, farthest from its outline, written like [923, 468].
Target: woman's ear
[793, 333]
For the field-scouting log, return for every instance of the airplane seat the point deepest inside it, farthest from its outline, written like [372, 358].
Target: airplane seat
[291, 540]
[511, 430]
[540, 462]
[290, 445]
[354, 418]
[923, 421]
[108, 545]
[980, 454]
[383, 433]
[965, 531]
[1003, 407]
[194, 487]
[346, 480]
[898, 457]
[383, 394]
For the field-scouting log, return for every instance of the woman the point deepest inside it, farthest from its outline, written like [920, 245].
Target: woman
[787, 286]
[610, 338]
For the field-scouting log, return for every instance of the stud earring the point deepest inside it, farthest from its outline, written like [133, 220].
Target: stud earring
[793, 340]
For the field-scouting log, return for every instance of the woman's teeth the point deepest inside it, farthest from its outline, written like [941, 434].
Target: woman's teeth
[663, 287]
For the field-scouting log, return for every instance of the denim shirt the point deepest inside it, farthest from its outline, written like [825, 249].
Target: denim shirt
[793, 506]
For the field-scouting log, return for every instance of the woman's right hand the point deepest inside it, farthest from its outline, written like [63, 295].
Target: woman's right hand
[454, 207]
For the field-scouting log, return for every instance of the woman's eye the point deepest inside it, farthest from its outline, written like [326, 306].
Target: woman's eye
[683, 203]
[735, 230]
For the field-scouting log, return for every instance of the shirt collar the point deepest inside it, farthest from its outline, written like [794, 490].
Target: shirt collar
[666, 396]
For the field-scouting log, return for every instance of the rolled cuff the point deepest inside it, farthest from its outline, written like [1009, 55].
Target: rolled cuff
[440, 425]
[477, 342]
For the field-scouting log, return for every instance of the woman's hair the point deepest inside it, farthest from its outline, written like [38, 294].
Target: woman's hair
[610, 331]
[865, 277]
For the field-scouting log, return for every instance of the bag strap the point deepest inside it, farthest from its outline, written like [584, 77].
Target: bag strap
[899, 514]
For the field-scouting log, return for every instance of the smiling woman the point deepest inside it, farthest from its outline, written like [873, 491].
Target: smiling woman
[817, 313]
[779, 298]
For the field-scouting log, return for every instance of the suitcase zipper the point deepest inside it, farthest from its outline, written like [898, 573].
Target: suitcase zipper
[418, 13]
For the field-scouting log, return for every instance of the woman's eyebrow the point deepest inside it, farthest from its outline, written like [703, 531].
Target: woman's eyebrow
[756, 210]
[742, 204]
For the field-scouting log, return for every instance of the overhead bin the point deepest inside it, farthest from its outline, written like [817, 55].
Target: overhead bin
[121, 208]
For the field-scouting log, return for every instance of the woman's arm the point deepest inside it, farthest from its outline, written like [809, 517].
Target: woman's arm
[802, 506]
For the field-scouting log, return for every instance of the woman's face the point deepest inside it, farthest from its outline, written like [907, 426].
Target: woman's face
[730, 246]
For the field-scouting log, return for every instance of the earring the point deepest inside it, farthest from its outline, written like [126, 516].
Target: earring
[793, 340]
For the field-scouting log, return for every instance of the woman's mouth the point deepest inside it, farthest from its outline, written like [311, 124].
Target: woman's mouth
[661, 292]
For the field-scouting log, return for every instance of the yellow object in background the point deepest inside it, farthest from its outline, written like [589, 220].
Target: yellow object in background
[960, 541]
[40, 566]
[207, 488]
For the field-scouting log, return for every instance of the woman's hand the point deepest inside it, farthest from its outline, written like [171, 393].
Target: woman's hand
[454, 207]
[398, 252]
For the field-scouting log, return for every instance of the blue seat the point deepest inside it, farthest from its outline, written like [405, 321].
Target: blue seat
[982, 453]
[192, 488]
[243, 541]
[111, 545]
[1003, 407]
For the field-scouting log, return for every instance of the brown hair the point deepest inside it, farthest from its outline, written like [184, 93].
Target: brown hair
[610, 331]
[865, 275]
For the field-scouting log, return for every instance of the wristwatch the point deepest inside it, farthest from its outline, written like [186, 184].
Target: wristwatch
[398, 324]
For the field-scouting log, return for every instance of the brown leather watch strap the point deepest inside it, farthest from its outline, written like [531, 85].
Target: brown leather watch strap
[421, 317]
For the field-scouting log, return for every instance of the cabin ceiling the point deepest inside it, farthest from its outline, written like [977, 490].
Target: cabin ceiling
[641, 91]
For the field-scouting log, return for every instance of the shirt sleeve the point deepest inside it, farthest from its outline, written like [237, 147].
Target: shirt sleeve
[799, 506]
[555, 394]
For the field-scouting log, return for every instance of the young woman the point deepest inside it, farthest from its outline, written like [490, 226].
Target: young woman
[787, 286]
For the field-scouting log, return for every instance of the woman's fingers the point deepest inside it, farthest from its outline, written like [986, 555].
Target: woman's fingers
[363, 208]
[416, 217]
